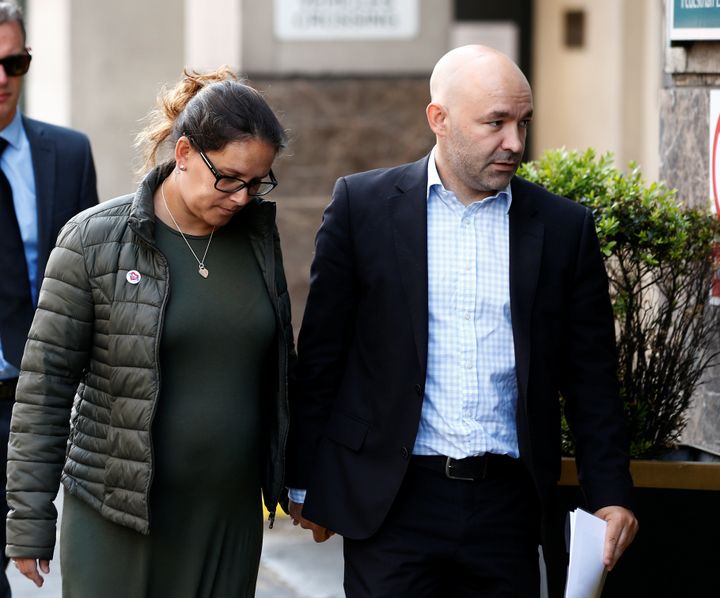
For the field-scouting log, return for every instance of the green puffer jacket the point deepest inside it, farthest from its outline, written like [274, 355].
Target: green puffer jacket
[90, 375]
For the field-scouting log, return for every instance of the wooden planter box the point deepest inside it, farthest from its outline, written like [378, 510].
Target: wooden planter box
[677, 550]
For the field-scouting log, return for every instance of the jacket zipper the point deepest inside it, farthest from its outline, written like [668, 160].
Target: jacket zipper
[282, 367]
[157, 368]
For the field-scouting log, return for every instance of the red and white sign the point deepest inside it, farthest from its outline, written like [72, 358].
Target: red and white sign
[715, 184]
[715, 149]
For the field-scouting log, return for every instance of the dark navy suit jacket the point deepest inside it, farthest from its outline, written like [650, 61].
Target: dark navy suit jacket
[358, 387]
[65, 182]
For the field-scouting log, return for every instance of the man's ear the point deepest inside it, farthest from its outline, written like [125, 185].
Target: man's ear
[437, 118]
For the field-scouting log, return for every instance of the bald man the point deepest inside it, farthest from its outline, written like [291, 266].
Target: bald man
[451, 304]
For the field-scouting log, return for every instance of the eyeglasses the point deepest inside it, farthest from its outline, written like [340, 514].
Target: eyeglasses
[16, 64]
[233, 184]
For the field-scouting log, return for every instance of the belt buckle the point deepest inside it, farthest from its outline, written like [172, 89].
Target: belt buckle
[449, 475]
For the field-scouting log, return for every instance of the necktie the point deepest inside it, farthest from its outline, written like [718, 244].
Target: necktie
[16, 307]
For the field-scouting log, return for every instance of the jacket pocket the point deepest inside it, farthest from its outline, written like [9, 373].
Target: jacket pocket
[346, 430]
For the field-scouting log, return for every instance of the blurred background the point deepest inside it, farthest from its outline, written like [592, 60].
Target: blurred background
[348, 78]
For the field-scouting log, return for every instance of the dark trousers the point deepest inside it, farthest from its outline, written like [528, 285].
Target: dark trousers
[452, 538]
[5, 414]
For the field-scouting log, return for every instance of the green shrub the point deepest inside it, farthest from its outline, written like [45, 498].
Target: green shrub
[658, 255]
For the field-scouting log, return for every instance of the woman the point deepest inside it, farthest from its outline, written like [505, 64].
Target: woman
[154, 377]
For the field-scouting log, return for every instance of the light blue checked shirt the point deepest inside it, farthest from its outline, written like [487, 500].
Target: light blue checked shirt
[471, 387]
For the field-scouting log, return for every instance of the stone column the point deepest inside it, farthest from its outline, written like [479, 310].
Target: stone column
[691, 71]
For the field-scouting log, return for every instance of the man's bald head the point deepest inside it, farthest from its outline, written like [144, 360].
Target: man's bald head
[460, 67]
[481, 105]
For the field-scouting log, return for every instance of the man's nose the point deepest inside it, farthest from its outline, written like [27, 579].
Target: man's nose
[514, 139]
[3, 75]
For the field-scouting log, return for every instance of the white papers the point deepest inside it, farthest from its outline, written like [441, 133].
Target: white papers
[586, 572]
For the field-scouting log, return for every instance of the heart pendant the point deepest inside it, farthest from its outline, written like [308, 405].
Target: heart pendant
[203, 271]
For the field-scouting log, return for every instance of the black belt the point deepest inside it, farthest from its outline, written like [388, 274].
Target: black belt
[7, 389]
[470, 469]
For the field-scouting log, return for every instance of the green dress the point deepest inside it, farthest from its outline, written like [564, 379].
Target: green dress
[205, 510]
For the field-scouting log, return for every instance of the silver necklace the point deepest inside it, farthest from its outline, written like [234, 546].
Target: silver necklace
[202, 270]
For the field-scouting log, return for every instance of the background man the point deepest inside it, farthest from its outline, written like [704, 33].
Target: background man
[450, 304]
[47, 175]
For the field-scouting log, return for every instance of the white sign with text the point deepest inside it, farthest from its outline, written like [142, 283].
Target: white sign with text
[319, 20]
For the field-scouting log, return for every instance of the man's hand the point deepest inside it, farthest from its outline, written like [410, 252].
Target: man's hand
[320, 534]
[621, 529]
[29, 568]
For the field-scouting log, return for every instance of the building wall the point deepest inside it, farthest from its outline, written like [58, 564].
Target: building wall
[348, 105]
[605, 94]
[98, 66]
[693, 71]
[642, 78]
[47, 85]
[104, 62]
[263, 53]
[339, 126]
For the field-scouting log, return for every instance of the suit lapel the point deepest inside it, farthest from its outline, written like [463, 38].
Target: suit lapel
[43, 155]
[408, 213]
[526, 244]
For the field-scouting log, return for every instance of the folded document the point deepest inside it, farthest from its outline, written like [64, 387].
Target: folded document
[586, 571]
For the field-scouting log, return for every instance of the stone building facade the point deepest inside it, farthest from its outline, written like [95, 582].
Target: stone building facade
[351, 100]
[692, 72]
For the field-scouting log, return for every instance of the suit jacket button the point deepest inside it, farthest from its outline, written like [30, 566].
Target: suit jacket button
[419, 390]
[404, 452]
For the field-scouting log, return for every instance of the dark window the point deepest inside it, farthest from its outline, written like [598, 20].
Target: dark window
[575, 28]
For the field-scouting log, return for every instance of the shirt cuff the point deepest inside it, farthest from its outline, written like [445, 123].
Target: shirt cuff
[297, 495]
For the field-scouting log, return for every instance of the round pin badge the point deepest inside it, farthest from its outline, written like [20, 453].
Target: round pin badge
[133, 277]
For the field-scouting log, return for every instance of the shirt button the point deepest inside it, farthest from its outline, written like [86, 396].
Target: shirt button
[404, 452]
[467, 315]
[468, 366]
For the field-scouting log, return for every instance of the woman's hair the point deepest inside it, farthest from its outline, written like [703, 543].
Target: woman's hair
[212, 109]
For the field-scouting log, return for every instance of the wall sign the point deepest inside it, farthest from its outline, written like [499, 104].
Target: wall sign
[693, 20]
[319, 20]
[714, 134]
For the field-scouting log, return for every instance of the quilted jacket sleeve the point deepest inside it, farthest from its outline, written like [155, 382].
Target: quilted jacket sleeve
[56, 354]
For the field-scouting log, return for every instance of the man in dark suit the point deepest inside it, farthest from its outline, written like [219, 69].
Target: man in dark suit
[451, 303]
[47, 176]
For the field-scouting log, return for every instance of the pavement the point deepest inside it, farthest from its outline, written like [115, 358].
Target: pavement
[293, 563]
[291, 566]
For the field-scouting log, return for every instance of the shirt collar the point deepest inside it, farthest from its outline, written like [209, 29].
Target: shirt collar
[433, 179]
[13, 133]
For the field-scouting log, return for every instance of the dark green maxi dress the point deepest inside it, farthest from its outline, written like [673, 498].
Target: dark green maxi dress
[205, 511]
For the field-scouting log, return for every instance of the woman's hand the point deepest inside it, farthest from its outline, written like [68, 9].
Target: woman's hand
[29, 568]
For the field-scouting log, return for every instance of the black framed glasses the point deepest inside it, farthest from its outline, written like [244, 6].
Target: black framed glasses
[16, 64]
[233, 184]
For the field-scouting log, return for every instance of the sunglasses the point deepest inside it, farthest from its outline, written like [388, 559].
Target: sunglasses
[16, 64]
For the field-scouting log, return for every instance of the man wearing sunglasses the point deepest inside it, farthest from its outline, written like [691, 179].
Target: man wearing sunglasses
[47, 175]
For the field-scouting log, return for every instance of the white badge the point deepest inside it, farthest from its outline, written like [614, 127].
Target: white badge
[133, 277]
